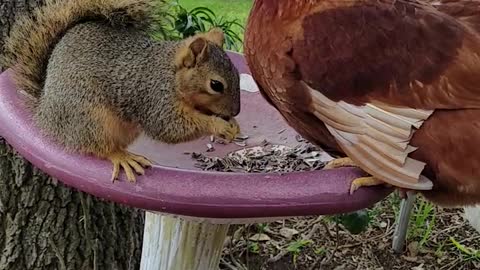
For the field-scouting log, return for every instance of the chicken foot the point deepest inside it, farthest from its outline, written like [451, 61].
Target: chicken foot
[358, 182]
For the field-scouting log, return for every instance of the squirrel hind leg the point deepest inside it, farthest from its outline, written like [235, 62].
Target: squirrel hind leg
[129, 162]
[113, 136]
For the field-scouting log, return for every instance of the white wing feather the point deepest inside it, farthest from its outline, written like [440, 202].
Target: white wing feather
[376, 137]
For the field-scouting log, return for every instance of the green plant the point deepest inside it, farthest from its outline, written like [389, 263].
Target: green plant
[254, 247]
[470, 252]
[320, 251]
[184, 23]
[423, 222]
[354, 222]
[161, 27]
[296, 247]
[261, 227]
[395, 201]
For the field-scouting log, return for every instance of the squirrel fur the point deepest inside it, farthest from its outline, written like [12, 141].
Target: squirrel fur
[98, 80]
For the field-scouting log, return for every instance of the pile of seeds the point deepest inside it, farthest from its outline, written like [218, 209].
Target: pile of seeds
[266, 158]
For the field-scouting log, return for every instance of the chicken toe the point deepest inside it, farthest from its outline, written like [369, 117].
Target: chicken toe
[364, 182]
[340, 162]
[357, 183]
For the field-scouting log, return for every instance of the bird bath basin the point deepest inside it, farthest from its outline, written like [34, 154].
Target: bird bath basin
[188, 210]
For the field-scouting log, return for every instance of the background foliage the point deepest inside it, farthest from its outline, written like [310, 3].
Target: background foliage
[181, 22]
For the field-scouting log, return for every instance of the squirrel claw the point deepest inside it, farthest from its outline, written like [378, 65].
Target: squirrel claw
[142, 160]
[226, 130]
[129, 162]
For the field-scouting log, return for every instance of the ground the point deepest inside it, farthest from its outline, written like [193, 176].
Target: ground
[318, 246]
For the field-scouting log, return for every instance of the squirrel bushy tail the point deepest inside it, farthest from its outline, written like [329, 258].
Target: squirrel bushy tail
[33, 37]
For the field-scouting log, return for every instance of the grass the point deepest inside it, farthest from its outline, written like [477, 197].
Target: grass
[422, 222]
[229, 9]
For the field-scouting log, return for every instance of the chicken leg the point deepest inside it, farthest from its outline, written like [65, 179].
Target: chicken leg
[358, 182]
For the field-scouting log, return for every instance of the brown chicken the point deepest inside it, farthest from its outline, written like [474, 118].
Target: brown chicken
[392, 85]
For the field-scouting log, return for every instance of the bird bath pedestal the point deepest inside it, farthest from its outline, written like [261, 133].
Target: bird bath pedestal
[188, 211]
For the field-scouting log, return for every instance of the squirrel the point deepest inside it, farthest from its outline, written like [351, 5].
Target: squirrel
[98, 80]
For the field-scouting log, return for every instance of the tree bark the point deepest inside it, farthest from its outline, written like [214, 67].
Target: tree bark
[45, 225]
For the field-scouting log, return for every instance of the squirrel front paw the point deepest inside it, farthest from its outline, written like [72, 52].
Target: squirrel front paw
[227, 130]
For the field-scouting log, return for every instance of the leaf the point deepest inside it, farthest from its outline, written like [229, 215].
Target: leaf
[203, 10]
[295, 247]
[261, 227]
[320, 251]
[254, 248]
[260, 237]
[189, 22]
[467, 250]
[355, 222]
[288, 233]
[186, 23]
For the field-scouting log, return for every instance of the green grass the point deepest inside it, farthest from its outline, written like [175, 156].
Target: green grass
[230, 9]
[422, 222]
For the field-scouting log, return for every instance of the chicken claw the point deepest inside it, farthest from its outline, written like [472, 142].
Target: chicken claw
[340, 162]
[364, 182]
[357, 183]
[129, 162]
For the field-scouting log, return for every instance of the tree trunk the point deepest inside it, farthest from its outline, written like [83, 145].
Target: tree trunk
[45, 225]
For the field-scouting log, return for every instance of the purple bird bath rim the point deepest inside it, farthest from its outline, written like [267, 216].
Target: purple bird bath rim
[175, 186]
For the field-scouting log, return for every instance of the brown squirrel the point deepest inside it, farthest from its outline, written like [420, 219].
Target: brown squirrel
[98, 80]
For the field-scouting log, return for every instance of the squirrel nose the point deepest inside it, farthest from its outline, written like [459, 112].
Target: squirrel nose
[236, 112]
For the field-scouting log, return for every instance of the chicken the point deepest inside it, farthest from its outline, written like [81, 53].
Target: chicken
[390, 86]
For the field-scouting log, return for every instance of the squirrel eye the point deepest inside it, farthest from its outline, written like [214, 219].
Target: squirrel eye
[216, 86]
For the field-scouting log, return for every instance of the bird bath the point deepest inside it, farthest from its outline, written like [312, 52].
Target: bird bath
[188, 210]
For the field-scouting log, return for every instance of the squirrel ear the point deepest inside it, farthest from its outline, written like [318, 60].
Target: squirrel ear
[216, 36]
[199, 47]
[196, 52]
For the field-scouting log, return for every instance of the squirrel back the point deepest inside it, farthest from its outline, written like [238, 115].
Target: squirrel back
[27, 52]
[98, 79]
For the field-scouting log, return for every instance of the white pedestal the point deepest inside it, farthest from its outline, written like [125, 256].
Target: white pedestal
[172, 243]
